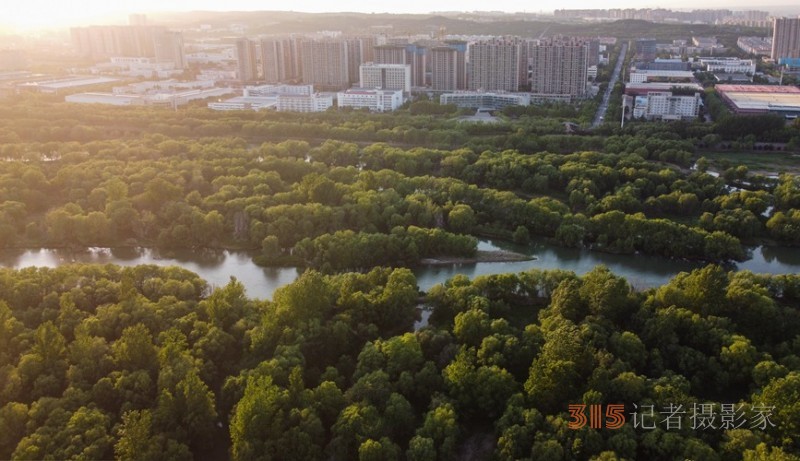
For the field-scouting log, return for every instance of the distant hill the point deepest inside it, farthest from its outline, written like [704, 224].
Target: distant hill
[279, 22]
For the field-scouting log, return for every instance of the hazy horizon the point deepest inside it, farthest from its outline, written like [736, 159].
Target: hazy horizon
[39, 14]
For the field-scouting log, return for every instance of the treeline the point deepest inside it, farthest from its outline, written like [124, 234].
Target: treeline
[348, 250]
[147, 363]
[228, 192]
[28, 119]
[225, 193]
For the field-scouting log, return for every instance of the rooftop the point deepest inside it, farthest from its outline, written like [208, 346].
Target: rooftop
[763, 98]
[773, 89]
[665, 73]
[58, 84]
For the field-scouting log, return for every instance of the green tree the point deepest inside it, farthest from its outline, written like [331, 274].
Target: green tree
[134, 350]
[372, 450]
[461, 219]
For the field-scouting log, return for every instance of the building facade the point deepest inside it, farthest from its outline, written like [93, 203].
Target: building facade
[559, 67]
[645, 49]
[417, 56]
[448, 67]
[304, 103]
[374, 100]
[755, 45]
[494, 65]
[278, 56]
[663, 105]
[168, 48]
[729, 65]
[479, 100]
[360, 50]
[277, 90]
[325, 63]
[390, 54]
[785, 38]
[385, 76]
[246, 60]
[103, 42]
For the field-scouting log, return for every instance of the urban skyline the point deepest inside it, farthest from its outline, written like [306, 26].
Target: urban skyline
[49, 14]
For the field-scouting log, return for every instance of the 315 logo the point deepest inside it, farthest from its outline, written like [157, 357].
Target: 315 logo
[614, 416]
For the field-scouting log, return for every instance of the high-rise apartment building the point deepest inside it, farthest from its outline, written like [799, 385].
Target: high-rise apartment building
[414, 55]
[390, 54]
[277, 60]
[559, 67]
[103, 42]
[325, 63]
[522, 68]
[360, 50]
[494, 64]
[785, 38]
[246, 60]
[386, 76]
[594, 51]
[292, 47]
[168, 47]
[448, 66]
[417, 56]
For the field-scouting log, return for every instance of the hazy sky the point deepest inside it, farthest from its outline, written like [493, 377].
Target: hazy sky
[29, 14]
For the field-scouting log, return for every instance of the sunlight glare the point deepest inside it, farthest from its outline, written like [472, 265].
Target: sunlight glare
[37, 14]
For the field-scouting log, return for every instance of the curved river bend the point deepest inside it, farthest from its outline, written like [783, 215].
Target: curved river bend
[217, 266]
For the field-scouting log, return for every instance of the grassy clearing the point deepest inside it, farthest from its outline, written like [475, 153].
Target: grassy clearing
[756, 162]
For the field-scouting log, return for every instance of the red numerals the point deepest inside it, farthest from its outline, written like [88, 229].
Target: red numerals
[576, 411]
[614, 416]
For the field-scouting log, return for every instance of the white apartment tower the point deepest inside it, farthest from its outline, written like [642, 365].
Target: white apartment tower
[559, 67]
[495, 64]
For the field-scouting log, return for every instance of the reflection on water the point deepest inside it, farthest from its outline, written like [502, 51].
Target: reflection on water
[215, 266]
[127, 253]
[642, 271]
[767, 256]
[424, 316]
[218, 266]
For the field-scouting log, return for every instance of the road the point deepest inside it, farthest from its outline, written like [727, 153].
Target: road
[601, 111]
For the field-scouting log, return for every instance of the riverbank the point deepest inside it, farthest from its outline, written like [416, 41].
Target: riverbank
[482, 256]
[217, 267]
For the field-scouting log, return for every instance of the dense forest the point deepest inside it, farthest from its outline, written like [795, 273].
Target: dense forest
[156, 178]
[145, 363]
[100, 362]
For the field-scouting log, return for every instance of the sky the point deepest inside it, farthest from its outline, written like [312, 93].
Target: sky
[37, 14]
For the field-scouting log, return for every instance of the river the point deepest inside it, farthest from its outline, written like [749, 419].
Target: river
[217, 266]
